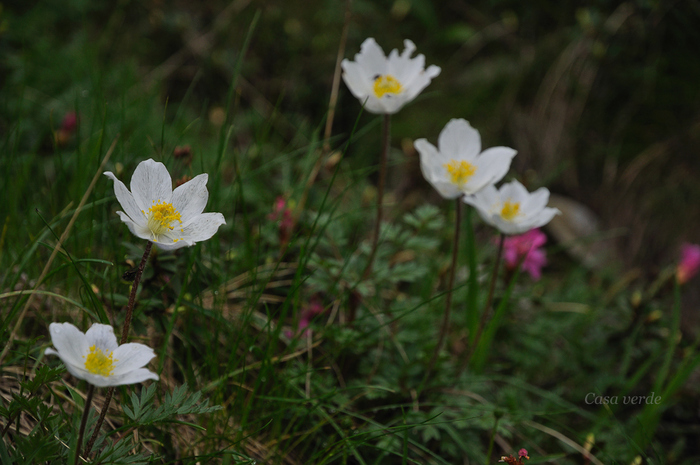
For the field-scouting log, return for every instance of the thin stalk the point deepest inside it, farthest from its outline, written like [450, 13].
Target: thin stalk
[134, 288]
[386, 136]
[492, 436]
[336, 79]
[673, 339]
[125, 336]
[489, 300]
[83, 422]
[329, 121]
[471, 315]
[448, 298]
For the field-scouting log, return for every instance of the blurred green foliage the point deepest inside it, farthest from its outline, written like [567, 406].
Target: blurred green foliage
[601, 101]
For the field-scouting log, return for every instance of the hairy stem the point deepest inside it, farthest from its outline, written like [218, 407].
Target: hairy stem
[83, 422]
[489, 300]
[448, 299]
[132, 296]
[386, 136]
[125, 336]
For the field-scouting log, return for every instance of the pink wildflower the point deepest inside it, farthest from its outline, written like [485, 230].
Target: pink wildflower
[510, 460]
[283, 214]
[68, 126]
[690, 263]
[70, 122]
[526, 247]
[308, 313]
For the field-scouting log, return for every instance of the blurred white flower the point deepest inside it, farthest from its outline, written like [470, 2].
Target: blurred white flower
[96, 357]
[382, 84]
[170, 219]
[512, 209]
[459, 166]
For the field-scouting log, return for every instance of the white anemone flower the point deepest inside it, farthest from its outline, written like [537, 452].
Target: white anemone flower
[458, 166]
[382, 84]
[170, 219]
[512, 209]
[96, 357]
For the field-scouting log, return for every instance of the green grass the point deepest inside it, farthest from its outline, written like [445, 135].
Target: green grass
[238, 383]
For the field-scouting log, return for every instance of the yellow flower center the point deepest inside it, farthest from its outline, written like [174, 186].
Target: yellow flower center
[510, 210]
[460, 172]
[99, 363]
[386, 85]
[162, 218]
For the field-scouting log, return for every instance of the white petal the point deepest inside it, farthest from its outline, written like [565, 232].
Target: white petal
[429, 159]
[404, 68]
[151, 182]
[132, 356]
[484, 200]
[81, 373]
[491, 166]
[190, 198]
[361, 88]
[483, 213]
[102, 337]
[508, 227]
[537, 200]
[202, 227]
[514, 191]
[433, 171]
[371, 58]
[136, 376]
[78, 370]
[447, 189]
[374, 105]
[433, 71]
[71, 344]
[388, 104]
[124, 197]
[419, 82]
[173, 240]
[459, 141]
[409, 48]
[542, 218]
[357, 79]
[137, 229]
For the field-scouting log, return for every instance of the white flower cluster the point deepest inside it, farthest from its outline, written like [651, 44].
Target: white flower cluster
[457, 168]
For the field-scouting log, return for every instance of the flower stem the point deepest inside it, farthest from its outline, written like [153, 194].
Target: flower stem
[485, 312]
[336, 80]
[132, 296]
[386, 136]
[125, 336]
[83, 422]
[448, 298]
[492, 436]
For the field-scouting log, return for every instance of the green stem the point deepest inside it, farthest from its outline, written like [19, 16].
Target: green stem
[386, 136]
[673, 338]
[448, 299]
[132, 296]
[491, 439]
[125, 335]
[83, 422]
[485, 312]
[472, 315]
